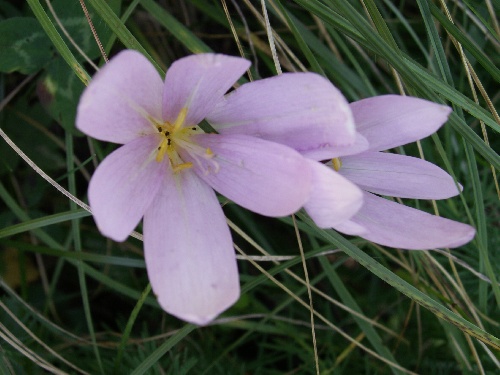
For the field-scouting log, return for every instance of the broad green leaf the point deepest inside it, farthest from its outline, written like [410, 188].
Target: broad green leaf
[18, 122]
[61, 91]
[24, 45]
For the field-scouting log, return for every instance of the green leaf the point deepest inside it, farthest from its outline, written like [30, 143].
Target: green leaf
[18, 122]
[25, 46]
[60, 89]
[58, 42]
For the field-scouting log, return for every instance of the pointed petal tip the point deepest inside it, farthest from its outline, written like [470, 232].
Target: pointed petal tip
[389, 121]
[395, 225]
[468, 234]
[397, 175]
[200, 318]
[445, 109]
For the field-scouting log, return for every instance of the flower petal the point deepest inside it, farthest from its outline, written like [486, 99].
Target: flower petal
[351, 228]
[389, 121]
[398, 176]
[324, 153]
[262, 176]
[396, 225]
[116, 104]
[334, 199]
[301, 110]
[197, 82]
[188, 249]
[123, 187]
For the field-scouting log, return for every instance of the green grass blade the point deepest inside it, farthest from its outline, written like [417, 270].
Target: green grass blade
[482, 234]
[119, 28]
[370, 332]
[58, 41]
[177, 29]
[300, 40]
[435, 41]
[162, 349]
[123, 19]
[74, 256]
[43, 222]
[399, 284]
[75, 229]
[405, 22]
[128, 328]
[465, 41]
[380, 23]
[420, 80]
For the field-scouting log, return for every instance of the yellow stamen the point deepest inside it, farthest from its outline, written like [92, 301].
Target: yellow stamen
[336, 164]
[162, 150]
[181, 117]
[209, 152]
[182, 166]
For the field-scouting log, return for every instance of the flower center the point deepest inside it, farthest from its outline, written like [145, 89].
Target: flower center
[336, 164]
[177, 136]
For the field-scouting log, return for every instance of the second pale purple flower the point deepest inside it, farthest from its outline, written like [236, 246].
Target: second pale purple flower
[382, 122]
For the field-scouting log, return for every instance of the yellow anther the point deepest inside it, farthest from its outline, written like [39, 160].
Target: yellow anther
[336, 164]
[182, 166]
[181, 117]
[162, 150]
[209, 152]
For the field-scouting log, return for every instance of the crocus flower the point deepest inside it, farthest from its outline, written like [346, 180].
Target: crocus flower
[167, 167]
[385, 122]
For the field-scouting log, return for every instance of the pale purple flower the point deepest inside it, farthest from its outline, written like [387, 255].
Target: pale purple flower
[167, 166]
[385, 122]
